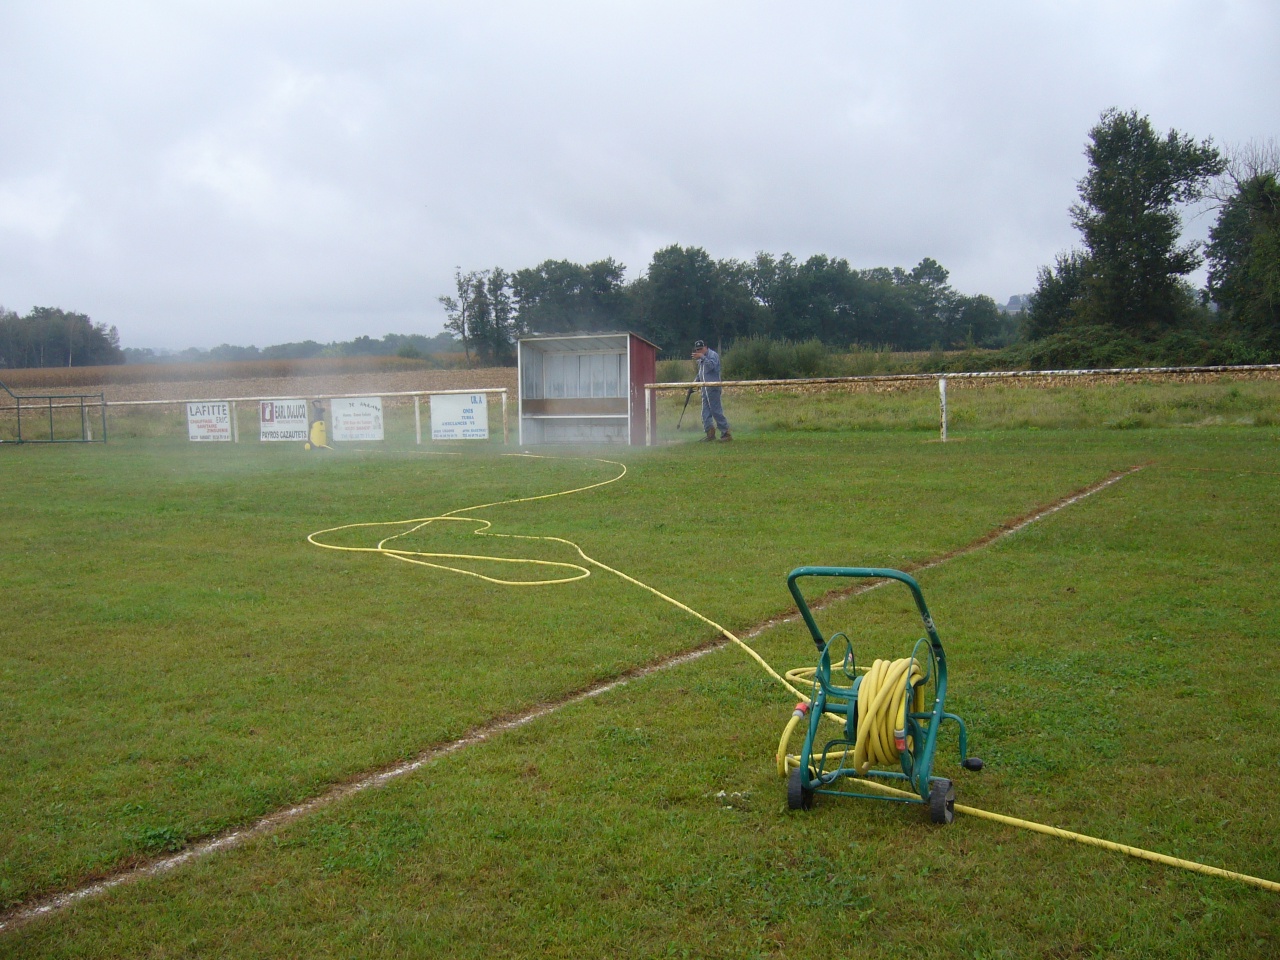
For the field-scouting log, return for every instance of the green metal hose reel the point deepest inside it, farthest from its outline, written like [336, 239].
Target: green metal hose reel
[825, 767]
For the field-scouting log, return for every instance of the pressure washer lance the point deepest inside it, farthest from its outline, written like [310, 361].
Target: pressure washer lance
[686, 407]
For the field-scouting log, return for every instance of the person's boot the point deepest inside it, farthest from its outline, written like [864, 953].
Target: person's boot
[726, 435]
[711, 434]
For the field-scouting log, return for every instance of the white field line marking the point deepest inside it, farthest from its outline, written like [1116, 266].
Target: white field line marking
[482, 733]
[999, 534]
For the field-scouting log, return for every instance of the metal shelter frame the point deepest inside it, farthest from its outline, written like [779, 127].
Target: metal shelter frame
[32, 402]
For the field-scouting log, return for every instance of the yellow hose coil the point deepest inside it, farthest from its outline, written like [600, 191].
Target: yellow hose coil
[882, 702]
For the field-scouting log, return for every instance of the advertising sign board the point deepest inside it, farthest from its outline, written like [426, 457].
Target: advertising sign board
[459, 416]
[357, 419]
[209, 420]
[282, 420]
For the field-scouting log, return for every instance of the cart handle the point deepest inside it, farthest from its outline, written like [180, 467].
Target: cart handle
[874, 573]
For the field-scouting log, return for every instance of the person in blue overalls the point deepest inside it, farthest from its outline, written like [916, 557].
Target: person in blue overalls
[709, 372]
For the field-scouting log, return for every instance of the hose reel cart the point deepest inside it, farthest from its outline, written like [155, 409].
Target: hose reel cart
[890, 712]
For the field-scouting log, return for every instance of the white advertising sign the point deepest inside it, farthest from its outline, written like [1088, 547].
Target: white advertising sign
[209, 421]
[459, 416]
[282, 420]
[358, 419]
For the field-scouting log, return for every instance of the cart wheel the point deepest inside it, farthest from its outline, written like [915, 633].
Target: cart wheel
[942, 801]
[799, 796]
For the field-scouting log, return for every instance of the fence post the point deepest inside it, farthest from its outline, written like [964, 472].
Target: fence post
[235, 424]
[648, 407]
[942, 396]
[417, 420]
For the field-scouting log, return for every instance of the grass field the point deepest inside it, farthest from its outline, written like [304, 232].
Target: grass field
[177, 660]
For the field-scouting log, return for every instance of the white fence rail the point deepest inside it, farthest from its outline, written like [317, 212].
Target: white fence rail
[942, 378]
[235, 431]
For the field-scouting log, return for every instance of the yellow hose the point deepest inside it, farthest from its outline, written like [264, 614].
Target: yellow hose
[885, 711]
[1082, 838]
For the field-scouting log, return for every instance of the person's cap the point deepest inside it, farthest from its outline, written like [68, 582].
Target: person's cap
[698, 344]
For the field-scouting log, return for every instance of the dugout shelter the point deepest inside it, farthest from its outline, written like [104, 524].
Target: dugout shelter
[584, 387]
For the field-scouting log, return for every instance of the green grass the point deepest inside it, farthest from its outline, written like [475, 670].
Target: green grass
[178, 660]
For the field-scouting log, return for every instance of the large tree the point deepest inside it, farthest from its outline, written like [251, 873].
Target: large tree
[1128, 216]
[689, 296]
[458, 312]
[559, 296]
[498, 344]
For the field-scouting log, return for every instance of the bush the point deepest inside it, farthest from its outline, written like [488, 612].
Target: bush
[865, 362]
[1198, 343]
[762, 358]
[675, 371]
[1083, 347]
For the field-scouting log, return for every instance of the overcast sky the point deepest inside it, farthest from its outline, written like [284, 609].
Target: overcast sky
[259, 172]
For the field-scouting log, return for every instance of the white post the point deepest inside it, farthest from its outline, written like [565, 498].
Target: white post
[504, 416]
[417, 419]
[235, 426]
[648, 406]
[942, 395]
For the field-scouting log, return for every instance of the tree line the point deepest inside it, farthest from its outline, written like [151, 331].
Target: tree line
[685, 294]
[408, 345]
[1123, 298]
[49, 337]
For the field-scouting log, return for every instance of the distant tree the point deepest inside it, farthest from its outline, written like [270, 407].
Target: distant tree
[824, 298]
[766, 276]
[504, 328]
[1060, 290]
[559, 296]
[481, 318]
[50, 337]
[363, 346]
[935, 303]
[142, 355]
[976, 321]
[415, 345]
[294, 351]
[443, 342]
[12, 345]
[226, 352]
[1244, 248]
[458, 311]
[689, 296]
